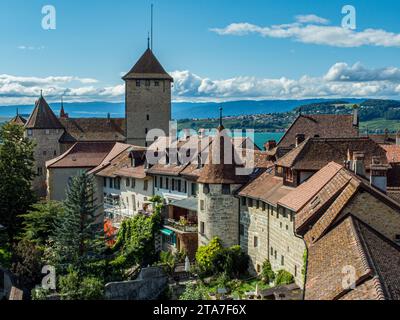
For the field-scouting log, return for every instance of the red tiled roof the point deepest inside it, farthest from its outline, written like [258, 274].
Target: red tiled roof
[93, 129]
[352, 243]
[300, 196]
[322, 125]
[392, 152]
[315, 153]
[43, 117]
[18, 120]
[148, 67]
[266, 187]
[82, 155]
[220, 167]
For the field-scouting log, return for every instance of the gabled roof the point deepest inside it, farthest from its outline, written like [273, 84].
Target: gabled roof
[375, 259]
[321, 125]
[43, 117]
[300, 196]
[93, 129]
[121, 166]
[265, 187]
[148, 67]
[314, 153]
[82, 155]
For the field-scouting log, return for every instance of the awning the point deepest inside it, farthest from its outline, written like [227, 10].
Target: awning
[167, 232]
[188, 204]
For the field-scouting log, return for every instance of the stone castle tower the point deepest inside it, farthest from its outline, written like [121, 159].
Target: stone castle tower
[46, 130]
[218, 212]
[147, 99]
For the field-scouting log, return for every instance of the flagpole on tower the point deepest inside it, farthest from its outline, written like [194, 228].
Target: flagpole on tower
[152, 27]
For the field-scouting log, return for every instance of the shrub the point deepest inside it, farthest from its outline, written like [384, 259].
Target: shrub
[233, 261]
[206, 256]
[267, 273]
[92, 288]
[194, 292]
[73, 287]
[214, 259]
[283, 278]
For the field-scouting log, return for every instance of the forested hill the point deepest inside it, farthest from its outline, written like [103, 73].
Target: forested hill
[369, 109]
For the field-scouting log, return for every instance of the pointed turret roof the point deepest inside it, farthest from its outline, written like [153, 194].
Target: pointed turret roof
[221, 169]
[148, 67]
[43, 117]
[18, 119]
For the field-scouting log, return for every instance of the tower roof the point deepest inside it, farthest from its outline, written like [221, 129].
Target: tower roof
[148, 67]
[18, 120]
[221, 169]
[43, 117]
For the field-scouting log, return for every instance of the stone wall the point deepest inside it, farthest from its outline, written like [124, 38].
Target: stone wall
[47, 148]
[144, 101]
[150, 284]
[220, 215]
[375, 213]
[274, 237]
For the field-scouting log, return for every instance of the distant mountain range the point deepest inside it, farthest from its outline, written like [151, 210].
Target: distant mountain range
[180, 110]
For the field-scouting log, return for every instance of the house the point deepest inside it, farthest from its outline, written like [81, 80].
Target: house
[313, 154]
[123, 184]
[317, 125]
[82, 156]
[352, 231]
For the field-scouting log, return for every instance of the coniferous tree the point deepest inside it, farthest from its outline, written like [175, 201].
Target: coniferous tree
[16, 175]
[78, 239]
[39, 222]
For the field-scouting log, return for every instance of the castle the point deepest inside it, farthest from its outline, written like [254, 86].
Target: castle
[320, 200]
[147, 107]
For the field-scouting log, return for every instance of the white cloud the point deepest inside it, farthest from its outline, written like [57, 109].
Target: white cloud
[31, 48]
[340, 81]
[309, 29]
[311, 18]
[343, 72]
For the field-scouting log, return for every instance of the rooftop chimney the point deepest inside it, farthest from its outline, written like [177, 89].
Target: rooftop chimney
[300, 137]
[271, 144]
[378, 177]
[356, 120]
[357, 165]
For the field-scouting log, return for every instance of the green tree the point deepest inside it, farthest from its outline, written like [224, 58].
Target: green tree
[27, 263]
[73, 286]
[16, 175]
[206, 256]
[39, 223]
[78, 238]
[136, 238]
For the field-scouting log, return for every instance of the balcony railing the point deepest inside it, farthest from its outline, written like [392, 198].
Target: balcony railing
[184, 227]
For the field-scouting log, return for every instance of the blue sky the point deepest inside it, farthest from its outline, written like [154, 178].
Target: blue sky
[215, 49]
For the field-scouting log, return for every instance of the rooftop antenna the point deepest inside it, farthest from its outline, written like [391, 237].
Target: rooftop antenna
[148, 40]
[17, 112]
[41, 93]
[151, 27]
